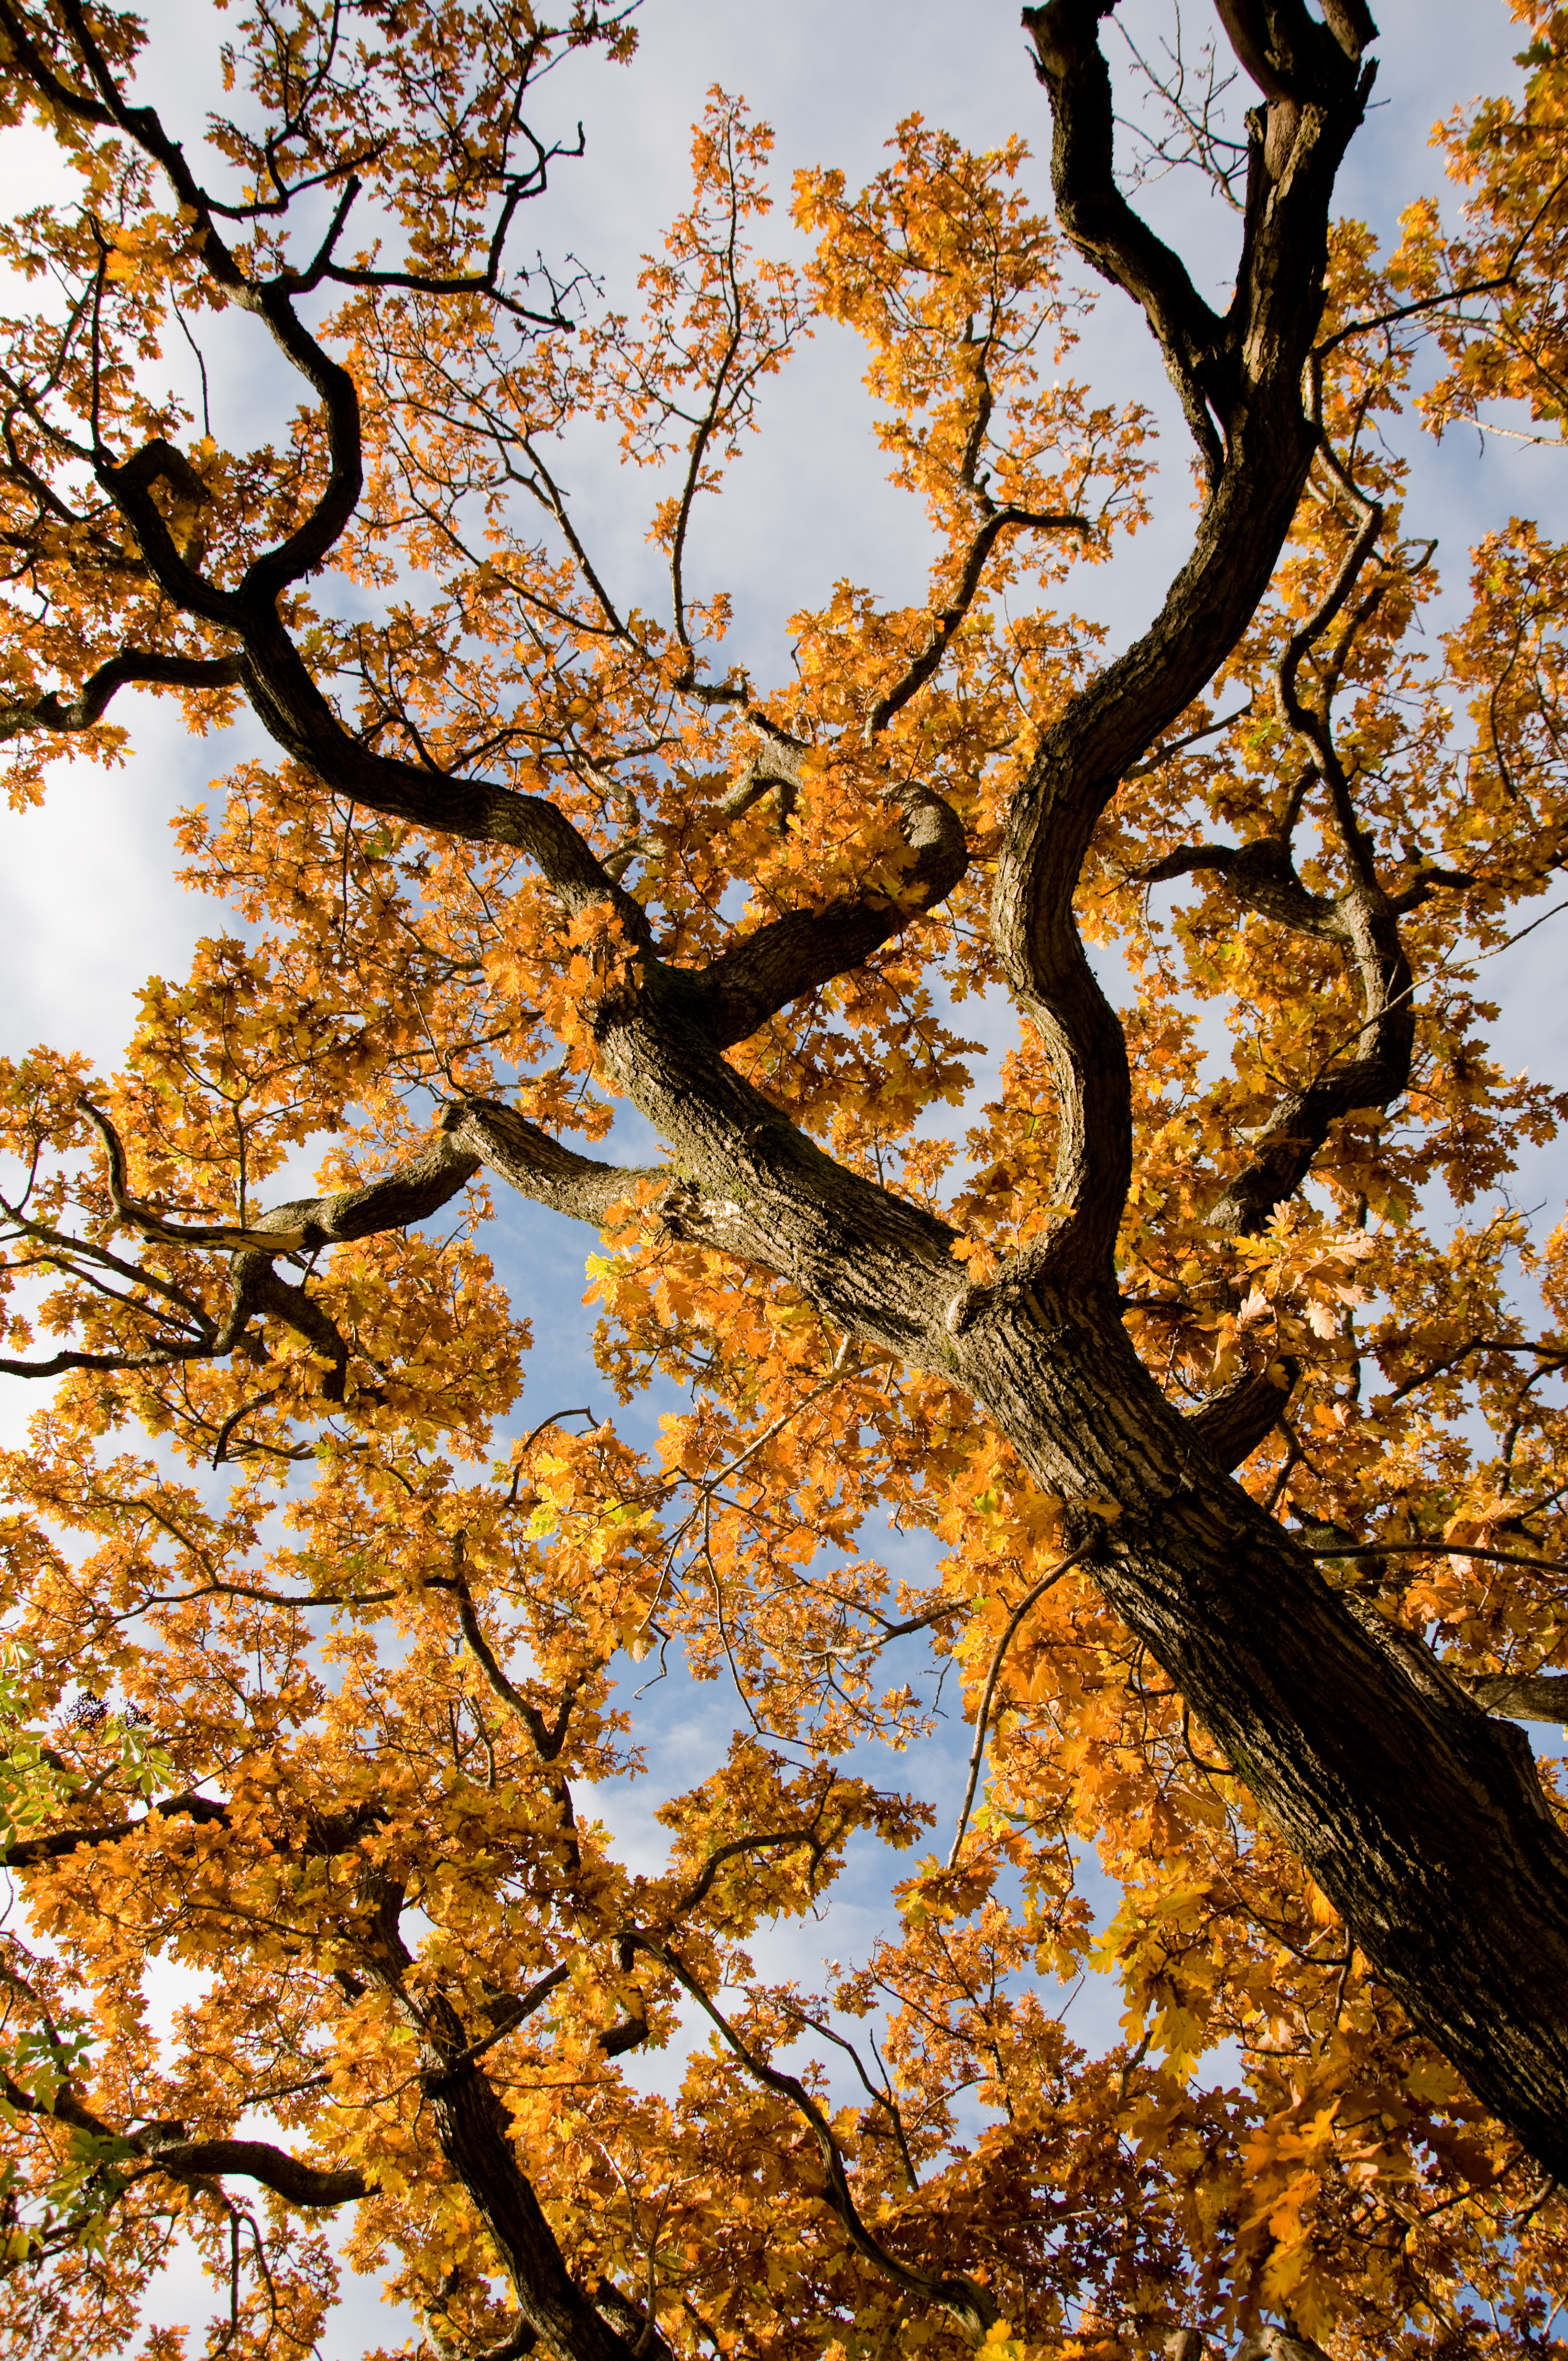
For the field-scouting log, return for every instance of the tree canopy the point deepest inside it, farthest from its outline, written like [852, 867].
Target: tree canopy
[1208, 1358]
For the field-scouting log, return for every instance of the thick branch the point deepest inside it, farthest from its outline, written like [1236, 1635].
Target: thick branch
[1285, 1149]
[1103, 226]
[296, 714]
[133, 667]
[475, 2134]
[539, 1166]
[1232, 1426]
[738, 991]
[1247, 372]
[1523, 1697]
[628, 2321]
[173, 564]
[61, 1842]
[321, 1835]
[274, 2168]
[413, 1193]
[1262, 875]
[286, 2176]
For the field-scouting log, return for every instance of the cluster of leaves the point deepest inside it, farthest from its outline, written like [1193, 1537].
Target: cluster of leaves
[367, 1639]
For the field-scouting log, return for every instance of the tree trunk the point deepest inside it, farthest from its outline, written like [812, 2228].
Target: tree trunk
[1419, 1815]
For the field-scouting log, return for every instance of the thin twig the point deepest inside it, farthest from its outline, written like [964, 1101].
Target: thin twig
[991, 1677]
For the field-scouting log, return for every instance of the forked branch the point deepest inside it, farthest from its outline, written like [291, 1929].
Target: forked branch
[310, 2186]
[1248, 366]
[970, 2304]
[303, 1225]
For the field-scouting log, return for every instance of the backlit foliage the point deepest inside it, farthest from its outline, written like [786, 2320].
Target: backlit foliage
[316, 1582]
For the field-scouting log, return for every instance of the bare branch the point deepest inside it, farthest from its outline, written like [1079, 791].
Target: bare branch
[306, 2185]
[1249, 365]
[539, 1166]
[1105, 229]
[1522, 1696]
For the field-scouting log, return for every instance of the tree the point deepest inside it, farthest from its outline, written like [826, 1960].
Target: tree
[1244, 1454]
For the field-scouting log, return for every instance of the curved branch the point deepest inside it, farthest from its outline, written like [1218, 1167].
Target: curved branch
[312, 2185]
[1103, 226]
[952, 615]
[79, 105]
[1263, 875]
[297, 2183]
[419, 1188]
[773, 1840]
[302, 1226]
[266, 1293]
[1286, 1148]
[1363, 921]
[548, 1739]
[977, 1753]
[129, 485]
[1234, 1422]
[269, 668]
[521, 2339]
[738, 991]
[298, 716]
[133, 667]
[1246, 373]
[972, 2305]
[174, 565]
